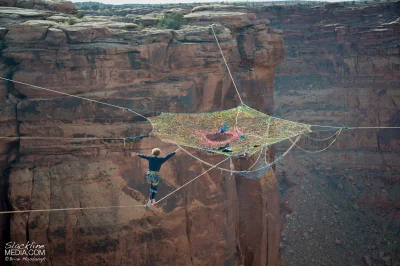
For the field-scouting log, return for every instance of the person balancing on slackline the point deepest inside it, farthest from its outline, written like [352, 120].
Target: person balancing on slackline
[152, 175]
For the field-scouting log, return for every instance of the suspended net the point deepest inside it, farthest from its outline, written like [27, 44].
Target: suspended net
[254, 174]
[261, 165]
[246, 130]
[258, 168]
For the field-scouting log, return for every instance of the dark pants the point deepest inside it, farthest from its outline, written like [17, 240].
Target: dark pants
[152, 179]
[153, 191]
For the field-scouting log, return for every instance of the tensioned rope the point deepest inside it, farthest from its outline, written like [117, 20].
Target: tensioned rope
[245, 171]
[256, 161]
[337, 135]
[131, 110]
[115, 206]
[112, 105]
[73, 209]
[265, 141]
[236, 121]
[237, 91]
[60, 138]
[233, 81]
[371, 127]
[331, 127]
[127, 109]
[323, 139]
[226, 64]
[79, 97]
[124, 139]
[86, 99]
[214, 166]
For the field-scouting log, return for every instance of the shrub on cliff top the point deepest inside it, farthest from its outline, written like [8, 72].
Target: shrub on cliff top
[71, 21]
[171, 21]
[80, 14]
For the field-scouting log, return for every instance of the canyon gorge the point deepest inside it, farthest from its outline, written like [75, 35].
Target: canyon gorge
[327, 64]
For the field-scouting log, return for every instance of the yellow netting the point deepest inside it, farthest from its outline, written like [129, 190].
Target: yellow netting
[248, 129]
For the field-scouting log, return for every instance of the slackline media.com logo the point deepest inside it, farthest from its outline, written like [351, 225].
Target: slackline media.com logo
[25, 252]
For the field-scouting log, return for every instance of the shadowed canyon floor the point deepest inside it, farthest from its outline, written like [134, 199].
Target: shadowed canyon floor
[340, 207]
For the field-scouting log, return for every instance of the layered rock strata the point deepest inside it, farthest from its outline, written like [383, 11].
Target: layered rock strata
[341, 68]
[216, 220]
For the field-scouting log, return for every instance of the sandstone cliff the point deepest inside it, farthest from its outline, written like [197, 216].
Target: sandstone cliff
[214, 221]
[53, 5]
[341, 68]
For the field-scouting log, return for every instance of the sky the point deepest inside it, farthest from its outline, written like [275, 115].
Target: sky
[119, 2]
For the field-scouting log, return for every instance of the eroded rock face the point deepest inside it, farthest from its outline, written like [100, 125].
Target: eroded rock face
[214, 221]
[341, 68]
[53, 5]
[231, 19]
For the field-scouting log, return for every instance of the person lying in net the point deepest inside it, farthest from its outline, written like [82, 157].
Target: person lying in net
[225, 148]
[222, 129]
[152, 175]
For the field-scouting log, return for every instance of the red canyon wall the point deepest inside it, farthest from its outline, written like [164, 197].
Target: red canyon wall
[214, 221]
[342, 67]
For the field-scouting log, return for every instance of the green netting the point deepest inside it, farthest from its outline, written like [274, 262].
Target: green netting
[249, 130]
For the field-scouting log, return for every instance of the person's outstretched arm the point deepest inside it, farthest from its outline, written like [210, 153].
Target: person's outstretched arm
[168, 156]
[144, 156]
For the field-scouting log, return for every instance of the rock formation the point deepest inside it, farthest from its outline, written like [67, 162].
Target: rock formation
[53, 5]
[214, 221]
[341, 68]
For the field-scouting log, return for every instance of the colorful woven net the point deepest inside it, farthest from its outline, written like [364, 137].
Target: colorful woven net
[249, 130]
[258, 168]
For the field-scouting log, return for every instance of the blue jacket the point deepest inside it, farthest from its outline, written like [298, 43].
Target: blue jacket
[223, 129]
[156, 162]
